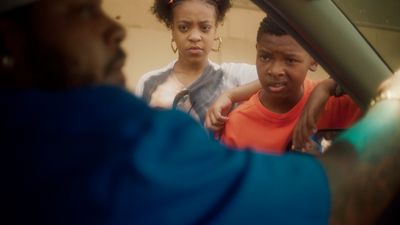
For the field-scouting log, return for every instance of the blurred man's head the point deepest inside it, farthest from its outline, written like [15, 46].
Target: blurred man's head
[57, 44]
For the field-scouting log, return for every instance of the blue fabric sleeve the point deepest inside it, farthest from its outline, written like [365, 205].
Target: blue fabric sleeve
[101, 156]
[199, 181]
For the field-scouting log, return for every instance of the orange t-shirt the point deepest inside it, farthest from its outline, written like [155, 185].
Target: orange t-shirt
[251, 125]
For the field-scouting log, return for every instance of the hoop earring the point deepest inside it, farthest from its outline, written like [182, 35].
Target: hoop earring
[174, 48]
[7, 62]
[219, 39]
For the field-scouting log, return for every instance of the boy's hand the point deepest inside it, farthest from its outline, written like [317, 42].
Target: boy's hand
[306, 125]
[217, 114]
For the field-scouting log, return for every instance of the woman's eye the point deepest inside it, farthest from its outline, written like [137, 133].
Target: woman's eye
[206, 28]
[183, 28]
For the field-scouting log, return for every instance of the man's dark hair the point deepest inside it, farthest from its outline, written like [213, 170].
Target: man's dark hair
[22, 16]
[269, 26]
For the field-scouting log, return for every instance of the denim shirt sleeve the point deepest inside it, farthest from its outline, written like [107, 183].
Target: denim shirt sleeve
[101, 156]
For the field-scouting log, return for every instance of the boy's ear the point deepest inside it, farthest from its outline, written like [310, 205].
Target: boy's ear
[314, 66]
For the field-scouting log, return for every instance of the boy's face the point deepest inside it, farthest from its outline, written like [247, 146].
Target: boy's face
[282, 65]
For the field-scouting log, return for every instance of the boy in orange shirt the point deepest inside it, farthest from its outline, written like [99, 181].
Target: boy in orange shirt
[266, 121]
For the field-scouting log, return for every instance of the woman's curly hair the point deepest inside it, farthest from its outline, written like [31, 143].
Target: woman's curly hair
[162, 9]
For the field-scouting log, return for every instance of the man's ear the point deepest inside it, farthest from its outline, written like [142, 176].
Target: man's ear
[314, 66]
[3, 37]
[14, 67]
[11, 40]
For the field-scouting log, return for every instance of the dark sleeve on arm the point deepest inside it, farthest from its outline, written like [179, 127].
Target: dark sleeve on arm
[179, 176]
[123, 163]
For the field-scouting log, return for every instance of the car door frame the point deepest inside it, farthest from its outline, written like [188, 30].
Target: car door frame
[331, 38]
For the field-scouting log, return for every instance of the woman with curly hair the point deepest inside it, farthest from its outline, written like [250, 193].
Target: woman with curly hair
[192, 82]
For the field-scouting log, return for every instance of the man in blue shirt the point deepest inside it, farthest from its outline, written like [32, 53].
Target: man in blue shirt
[88, 152]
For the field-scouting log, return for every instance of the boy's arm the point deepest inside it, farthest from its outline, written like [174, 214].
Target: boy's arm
[312, 111]
[217, 114]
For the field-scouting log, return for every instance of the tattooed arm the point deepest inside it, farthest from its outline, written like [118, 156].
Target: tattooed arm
[363, 166]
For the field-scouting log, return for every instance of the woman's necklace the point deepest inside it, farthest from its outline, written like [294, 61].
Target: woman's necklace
[181, 85]
[183, 78]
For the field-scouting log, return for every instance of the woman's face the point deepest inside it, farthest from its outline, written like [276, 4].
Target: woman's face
[194, 29]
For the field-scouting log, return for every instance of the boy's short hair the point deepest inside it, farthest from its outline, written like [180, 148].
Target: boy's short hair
[269, 26]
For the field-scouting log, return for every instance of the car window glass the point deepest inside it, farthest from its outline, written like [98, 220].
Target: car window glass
[379, 22]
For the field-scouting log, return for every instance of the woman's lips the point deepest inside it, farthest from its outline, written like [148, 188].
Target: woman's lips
[195, 50]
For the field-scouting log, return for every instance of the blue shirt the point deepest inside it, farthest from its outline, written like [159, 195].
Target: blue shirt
[98, 155]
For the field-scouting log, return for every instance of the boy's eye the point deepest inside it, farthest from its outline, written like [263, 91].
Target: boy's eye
[291, 60]
[265, 57]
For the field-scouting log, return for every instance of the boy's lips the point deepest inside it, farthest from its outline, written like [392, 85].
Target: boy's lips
[277, 87]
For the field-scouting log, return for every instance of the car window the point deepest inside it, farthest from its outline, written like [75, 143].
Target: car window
[379, 22]
[324, 29]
